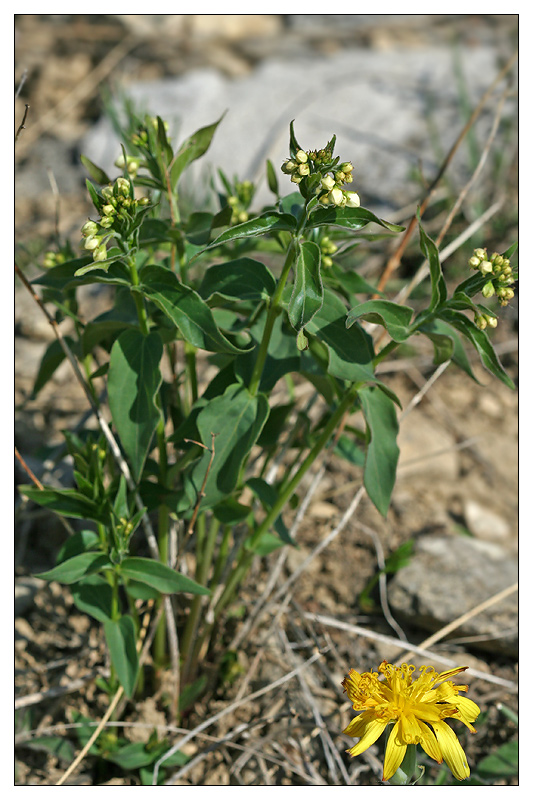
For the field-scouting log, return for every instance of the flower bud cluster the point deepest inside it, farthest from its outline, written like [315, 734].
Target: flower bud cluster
[131, 163]
[484, 320]
[118, 210]
[140, 138]
[330, 189]
[327, 248]
[239, 202]
[52, 259]
[499, 274]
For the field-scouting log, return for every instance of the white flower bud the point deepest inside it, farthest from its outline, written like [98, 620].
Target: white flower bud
[301, 157]
[91, 242]
[485, 267]
[352, 199]
[327, 183]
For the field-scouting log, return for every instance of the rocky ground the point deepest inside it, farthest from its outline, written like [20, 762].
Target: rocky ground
[456, 497]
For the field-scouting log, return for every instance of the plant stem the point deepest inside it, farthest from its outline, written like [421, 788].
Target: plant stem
[138, 300]
[271, 318]
[202, 574]
[160, 641]
[248, 550]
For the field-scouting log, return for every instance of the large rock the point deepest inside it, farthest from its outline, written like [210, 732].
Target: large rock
[448, 576]
[376, 102]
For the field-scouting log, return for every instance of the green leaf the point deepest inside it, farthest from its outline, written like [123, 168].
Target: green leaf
[270, 222]
[66, 275]
[121, 639]
[382, 452]
[159, 576]
[501, 764]
[58, 746]
[79, 542]
[189, 313]
[68, 502]
[307, 293]
[447, 344]
[95, 172]
[351, 218]
[237, 418]
[242, 279]
[54, 355]
[350, 349]
[74, 569]
[191, 149]
[272, 178]
[94, 596]
[133, 756]
[438, 284]
[395, 318]
[133, 380]
[481, 342]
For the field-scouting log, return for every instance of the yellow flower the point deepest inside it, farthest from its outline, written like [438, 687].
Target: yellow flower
[413, 706]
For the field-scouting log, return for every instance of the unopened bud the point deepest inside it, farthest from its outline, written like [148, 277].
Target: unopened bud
[488, 290]
[327, 183]
[304, 170]
[289, 167]
[143, 201]
[474, 262]
[107, 222]
[352, 199]
[123, 186]
[91, 242]
[337, 197]
[301, 157]
[90, 228]
[100, 254]
[346, 166]
[108, 209]
[480, 321]
[296, 178]
[480, 253]
[485, 267]
[492, 322]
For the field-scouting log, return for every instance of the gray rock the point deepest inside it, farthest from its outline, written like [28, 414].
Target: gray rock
[377, 103]
[448, 576]
[485, 524]
[25, 591]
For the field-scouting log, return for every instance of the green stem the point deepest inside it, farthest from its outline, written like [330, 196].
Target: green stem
[247, 553]
[202, 573]
[137, 298]
[160, 641]
[271, 318]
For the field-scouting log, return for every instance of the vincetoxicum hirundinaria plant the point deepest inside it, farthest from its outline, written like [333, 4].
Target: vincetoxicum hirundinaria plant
[211, 311]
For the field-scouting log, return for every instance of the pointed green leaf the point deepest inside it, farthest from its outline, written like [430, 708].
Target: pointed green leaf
[237, 418]
[159, 576]
[351, 218]
[307, 293]
[191, 149]
[241, 279]
[395, 318]
[121, 640]
[74, 569]
[382, 452]
[94, 596]
[133, 380]
[350, 349]
[68, 502]
[481, 342]
[438, 284]
[53, 357]
[189, 313]
[270, 222]
[95, 172]
[272, 178]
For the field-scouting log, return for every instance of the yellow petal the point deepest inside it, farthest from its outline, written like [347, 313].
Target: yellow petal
[452, 751]
[373, 731]
[430, 744]
[393, 754]
[358, 725]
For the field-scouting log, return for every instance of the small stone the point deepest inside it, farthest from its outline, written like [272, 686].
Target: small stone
[485, 524]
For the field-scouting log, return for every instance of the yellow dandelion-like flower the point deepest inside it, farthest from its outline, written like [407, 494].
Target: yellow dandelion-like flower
[413, 705]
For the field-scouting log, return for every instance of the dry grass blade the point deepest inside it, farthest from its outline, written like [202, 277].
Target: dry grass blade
[398, 643]
[230, 708]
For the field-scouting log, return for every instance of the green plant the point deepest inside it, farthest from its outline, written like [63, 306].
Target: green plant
[211, 311]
